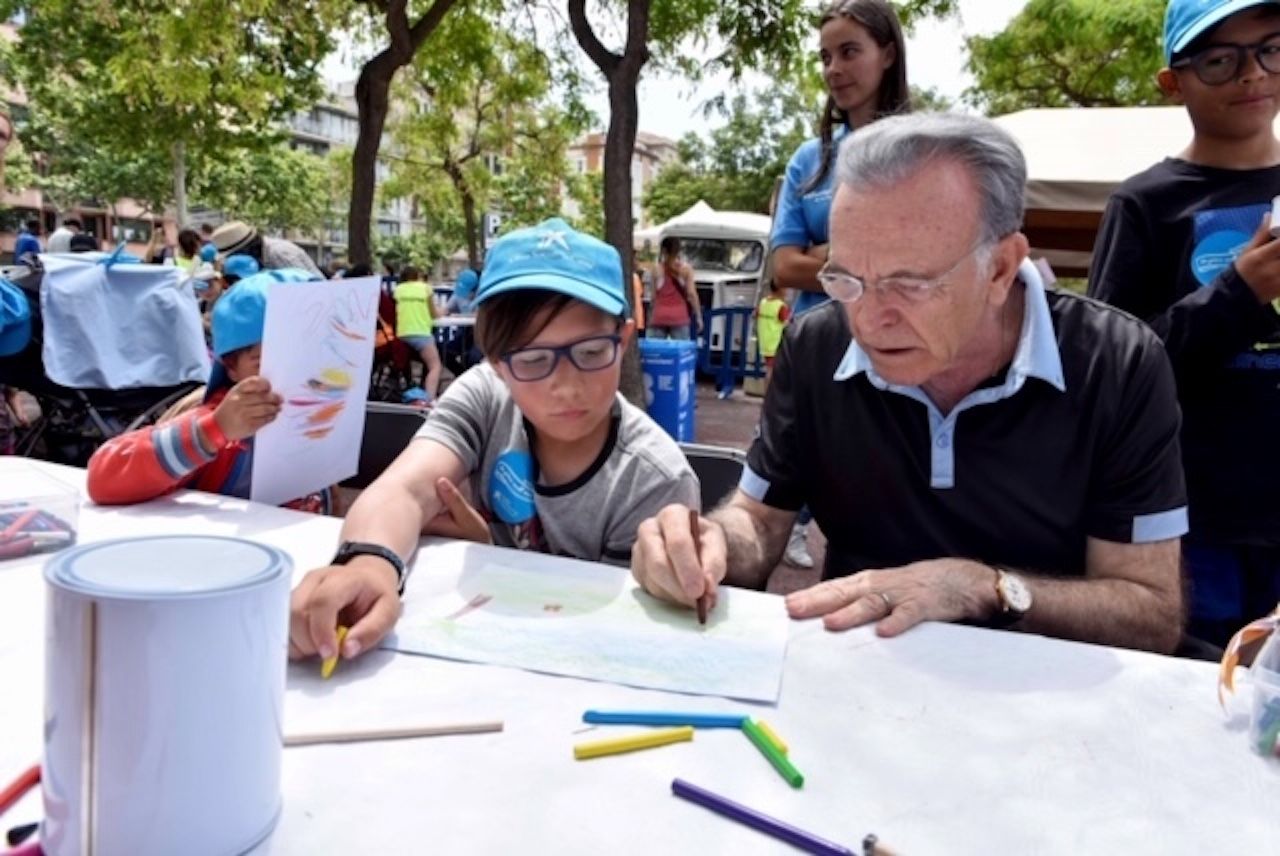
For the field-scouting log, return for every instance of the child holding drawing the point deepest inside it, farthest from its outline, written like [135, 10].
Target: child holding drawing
[537, 436]
[206, 446]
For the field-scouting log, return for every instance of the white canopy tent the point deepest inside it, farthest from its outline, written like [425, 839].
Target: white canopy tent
[705, 222]
[1076, 158]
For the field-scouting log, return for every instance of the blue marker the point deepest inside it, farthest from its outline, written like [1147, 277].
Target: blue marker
[643, 717]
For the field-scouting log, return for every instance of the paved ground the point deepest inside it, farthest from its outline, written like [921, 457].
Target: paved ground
[732, 422]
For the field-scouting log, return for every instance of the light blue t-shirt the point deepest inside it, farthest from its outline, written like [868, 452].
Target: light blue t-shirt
[802, 219]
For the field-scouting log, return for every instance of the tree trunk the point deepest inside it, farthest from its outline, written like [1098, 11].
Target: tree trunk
[180, 182]
[471, 224]
[372, 96]
[619, 225]
[623, 74]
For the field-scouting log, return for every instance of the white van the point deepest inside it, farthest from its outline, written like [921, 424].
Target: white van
[726, 250]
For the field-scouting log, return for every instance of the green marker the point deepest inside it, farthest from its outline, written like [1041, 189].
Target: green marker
[767, 748]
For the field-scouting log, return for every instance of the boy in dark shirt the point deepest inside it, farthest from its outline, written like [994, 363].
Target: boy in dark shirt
[1186, 246]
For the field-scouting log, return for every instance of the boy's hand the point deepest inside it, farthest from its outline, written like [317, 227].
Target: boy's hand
[667, 563]
[458, 518]
[248, 406]
[360, 594]
[1259, 263]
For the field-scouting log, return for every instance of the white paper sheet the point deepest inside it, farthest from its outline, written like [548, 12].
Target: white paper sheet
[317, 351]
[489, 605]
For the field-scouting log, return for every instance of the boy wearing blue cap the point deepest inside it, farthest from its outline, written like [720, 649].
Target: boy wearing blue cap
[210, 447]
[1187, 246]
[463, 299]
[553, 458]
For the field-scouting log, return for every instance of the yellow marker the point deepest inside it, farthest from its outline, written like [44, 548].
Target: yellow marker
[647, 740]
[772, 735]
[331, 663]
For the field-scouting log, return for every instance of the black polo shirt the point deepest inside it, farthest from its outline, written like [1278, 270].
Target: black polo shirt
[1077, 438]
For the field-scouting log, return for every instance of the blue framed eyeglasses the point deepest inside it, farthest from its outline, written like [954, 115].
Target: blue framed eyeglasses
[587, 355]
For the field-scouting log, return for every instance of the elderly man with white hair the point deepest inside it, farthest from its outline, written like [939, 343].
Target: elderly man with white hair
[975, 447]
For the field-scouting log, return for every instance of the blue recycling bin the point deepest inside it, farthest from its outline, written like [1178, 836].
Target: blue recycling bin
[669, 384]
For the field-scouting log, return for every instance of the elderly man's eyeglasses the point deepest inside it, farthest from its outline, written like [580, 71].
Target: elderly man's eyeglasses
[846, 288]
[587, 355]
[1218, 64]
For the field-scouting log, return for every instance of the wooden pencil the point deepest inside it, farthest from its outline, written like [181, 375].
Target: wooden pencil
[407, 733]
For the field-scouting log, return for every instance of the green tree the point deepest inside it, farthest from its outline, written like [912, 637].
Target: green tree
[477, 129]
[930, 99]
[17, 173]
[736, 166]
[1070, 53]
[274, 188]
[400, 28]
[912, 12]
[763, 34]
[183, 81]
[587, 192]
[420, 249]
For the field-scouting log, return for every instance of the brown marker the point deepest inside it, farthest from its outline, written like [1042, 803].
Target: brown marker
[697, 551]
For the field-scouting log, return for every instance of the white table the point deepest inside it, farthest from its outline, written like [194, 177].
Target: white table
[947, 740]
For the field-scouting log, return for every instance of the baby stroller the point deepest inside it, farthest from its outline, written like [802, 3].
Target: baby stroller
[113, 345]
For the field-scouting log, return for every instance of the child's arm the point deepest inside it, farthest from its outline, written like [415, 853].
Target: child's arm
[151, 462]
[391, 513]
[1200, 329]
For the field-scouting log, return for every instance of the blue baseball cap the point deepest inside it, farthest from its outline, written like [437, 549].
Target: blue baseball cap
[240, 315]
[1185, 20]
[465, 285]
[240, 265]
[208, 253]
[15, 319]
[553, 256]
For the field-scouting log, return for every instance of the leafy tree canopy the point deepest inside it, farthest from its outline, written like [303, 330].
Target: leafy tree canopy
[1070, 53]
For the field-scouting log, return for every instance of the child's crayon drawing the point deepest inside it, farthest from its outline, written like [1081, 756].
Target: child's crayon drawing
[317, 353]
[487, 605]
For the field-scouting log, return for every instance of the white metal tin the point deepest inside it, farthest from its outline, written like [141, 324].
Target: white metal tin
[164, 692]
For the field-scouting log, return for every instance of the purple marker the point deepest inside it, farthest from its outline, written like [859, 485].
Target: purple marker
[769, 826]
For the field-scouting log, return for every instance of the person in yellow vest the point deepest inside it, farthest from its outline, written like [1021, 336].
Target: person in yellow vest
[771, 319]
[415, 312]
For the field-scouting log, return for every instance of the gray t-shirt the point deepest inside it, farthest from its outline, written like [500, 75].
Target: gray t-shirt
[640, 470]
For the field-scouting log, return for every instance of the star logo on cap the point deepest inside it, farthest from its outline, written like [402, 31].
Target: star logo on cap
[554, 238]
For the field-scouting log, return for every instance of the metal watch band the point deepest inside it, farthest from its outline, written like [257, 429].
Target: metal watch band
[350, 549]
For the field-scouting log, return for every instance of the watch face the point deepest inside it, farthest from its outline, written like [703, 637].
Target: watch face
[1017, 596]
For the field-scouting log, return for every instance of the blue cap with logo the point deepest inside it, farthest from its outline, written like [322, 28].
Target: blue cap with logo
[240, 315]
[553, 256]
[15, 320]
[465, 285]
[240, 266]
[1185, 20]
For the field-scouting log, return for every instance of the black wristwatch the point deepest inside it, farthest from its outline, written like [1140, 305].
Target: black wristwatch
[350, 549]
